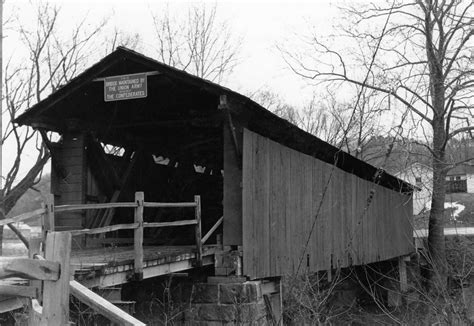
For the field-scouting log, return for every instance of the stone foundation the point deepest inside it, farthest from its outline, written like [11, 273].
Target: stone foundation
[228, 303]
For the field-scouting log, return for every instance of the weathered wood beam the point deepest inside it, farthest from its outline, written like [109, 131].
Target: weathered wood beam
[122, 241]
[101, 167]
[102, 306]
[170, 205]
[197, 216]
[33, 251]
[12, 304]
[109, 213]
[30, 269]
[105, 229]
[167, 224]
[19, 291]
[123, 276]
[56, 294]
[35, 313]
[223, 105]
[23, 217]
[48, 218]
[402, 272]
[59, 170]
[211, 231]
[138, 236]
[76, 207]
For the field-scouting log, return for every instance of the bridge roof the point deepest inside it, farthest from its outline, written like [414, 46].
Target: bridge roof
[177, 103]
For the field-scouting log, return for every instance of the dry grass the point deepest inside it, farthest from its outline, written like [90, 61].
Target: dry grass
[311, 300]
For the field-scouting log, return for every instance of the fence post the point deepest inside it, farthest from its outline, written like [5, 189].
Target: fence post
[402, 271]
[35, 248]
[138, 235]
[56, 293]
[197, 200]
[48, 217]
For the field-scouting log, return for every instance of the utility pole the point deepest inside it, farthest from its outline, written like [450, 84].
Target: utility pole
[2, 212]
[1, 104]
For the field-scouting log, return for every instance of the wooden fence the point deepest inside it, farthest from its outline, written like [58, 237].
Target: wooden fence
[54, 270]
[138, 225]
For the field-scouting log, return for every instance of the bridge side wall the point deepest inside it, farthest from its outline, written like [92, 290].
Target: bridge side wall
[301, 212]
[68, 185]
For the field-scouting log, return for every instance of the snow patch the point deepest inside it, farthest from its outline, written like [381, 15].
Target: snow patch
[458, 208]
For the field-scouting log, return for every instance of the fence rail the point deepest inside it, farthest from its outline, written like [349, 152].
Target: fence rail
[24, 217]
[53, 271]
[138, 226]
[105, 229]
[48, 211]
[80, 207]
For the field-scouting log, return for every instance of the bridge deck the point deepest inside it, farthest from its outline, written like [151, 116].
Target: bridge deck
[114, 265]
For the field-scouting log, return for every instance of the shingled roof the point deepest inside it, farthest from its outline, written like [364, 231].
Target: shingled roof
[47, 113]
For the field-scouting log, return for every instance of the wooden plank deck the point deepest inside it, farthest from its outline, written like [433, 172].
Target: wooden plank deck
[114, 265]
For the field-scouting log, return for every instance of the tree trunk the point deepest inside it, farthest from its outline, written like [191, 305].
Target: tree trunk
[9, 200]
[436, 243]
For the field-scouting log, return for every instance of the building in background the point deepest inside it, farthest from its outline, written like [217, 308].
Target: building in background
[460, 179]
[420, 175]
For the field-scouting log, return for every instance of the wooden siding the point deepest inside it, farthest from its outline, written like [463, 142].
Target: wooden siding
[232, 192]
[70, 157]
[282, 193]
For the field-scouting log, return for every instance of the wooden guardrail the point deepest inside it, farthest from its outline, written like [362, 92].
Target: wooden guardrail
[138, 225]
[102, 306]
[48, 211]
[23, 217]
[50, 275]
[53, 271]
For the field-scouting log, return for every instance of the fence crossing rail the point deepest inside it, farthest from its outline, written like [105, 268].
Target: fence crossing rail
[54, 269]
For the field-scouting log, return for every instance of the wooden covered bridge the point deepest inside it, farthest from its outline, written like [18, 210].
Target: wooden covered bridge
[156, 171]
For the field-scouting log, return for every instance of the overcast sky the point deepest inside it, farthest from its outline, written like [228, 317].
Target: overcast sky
[260, 24]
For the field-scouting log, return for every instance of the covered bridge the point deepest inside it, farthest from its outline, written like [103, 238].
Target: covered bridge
[130, 123]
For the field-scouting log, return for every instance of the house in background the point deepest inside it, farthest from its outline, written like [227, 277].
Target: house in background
[460, 179]
[420, 175]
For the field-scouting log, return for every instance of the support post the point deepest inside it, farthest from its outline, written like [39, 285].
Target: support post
[197, 200]
[34, 318]
[35, 249]
[224, 106]
[138, 235]
[48, 218]
[56, 293]
[402, 271]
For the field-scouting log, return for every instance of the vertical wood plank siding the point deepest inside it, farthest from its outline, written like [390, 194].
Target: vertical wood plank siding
[69, 155]
[282, 191]
[232, 192]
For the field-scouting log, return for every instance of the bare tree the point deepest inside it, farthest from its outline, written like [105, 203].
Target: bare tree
[52, 61]
[424, 61]
[121, 38]
[199, 44]
[330, 119]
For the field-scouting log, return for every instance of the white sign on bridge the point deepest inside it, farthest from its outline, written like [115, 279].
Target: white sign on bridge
[125, 87]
